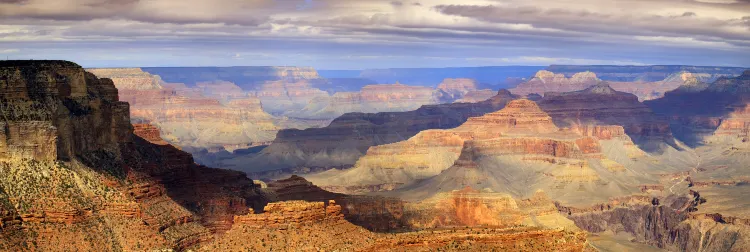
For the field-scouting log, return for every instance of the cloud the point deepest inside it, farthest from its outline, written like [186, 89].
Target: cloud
[9, 51]
[635, 31]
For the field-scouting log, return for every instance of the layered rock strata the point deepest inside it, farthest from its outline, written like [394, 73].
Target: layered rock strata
[211, 115]
[517, 136]
[602, 105]
[75, 177]
[348, 137]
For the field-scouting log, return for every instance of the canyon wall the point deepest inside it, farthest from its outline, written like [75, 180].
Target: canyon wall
[74, 176]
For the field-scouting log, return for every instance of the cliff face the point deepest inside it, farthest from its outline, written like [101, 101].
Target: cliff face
[348, 137]
[73, 176]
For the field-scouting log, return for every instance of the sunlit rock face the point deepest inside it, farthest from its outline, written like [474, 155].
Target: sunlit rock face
[74, 176]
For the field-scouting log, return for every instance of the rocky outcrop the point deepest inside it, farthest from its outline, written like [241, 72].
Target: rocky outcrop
[149, 133]
[286, 232]
[283, 215]
[129, 78]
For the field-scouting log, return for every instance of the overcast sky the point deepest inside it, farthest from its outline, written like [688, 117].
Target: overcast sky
[358, 34]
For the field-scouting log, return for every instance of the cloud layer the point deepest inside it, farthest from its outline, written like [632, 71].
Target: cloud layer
[344, 34]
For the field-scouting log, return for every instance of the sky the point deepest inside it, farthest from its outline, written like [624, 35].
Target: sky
[360, 34]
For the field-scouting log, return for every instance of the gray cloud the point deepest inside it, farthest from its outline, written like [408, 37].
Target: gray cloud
[513, 31]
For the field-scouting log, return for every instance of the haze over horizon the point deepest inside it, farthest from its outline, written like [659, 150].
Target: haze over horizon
[338, 34]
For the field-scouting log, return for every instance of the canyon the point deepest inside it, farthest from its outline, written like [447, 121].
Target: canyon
[215, 111]
[75, 174]
[93, 163]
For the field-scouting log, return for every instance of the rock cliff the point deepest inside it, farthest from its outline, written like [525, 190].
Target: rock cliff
[74, 176]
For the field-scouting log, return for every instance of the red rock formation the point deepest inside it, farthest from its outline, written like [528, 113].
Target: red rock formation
[283, 215]
[149, 133]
